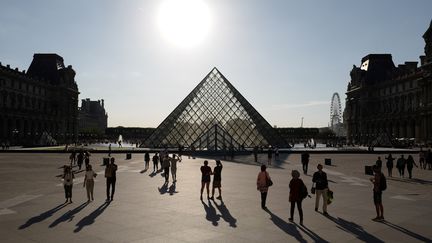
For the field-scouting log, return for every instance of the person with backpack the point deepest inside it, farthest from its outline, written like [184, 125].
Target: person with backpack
[298, 192]
[379, 185]
[263, 183]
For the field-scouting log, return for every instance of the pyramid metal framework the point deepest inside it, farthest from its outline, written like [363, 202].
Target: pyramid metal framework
[214, 116]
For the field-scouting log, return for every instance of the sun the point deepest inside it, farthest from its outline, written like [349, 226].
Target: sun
[185, 23]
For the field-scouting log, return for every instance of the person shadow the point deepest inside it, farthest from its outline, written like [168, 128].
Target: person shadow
[143, 171]
[226, 215]
[90, 219]
[211, 214]
[406, 231]
[172, 189]
[288, 228]
[69, 215]
[41, 217]
[163, 189]
[354, 229]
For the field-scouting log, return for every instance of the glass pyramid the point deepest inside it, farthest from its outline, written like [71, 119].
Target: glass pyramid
[212, 117]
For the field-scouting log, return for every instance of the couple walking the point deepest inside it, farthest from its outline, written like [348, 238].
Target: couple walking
[206, 172]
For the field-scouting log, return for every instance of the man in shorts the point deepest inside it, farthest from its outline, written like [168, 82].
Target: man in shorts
[217, 179]
[205, 178]
[377, 193]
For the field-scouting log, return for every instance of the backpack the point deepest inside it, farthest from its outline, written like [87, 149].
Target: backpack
[303, 191]
[383, 183]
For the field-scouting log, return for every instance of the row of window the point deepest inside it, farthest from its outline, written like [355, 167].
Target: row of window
[22, 86]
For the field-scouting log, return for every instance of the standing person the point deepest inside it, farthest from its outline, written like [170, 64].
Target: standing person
[428, 159]
[217, 179]
[205, 178]
[255, 153]
[155, 162]
[166, 166]
[87, 159]
[262, 185]
[174, 161]
[379, 162]
[109, 150]
[276, 151]
[305, 162]
[89, 182]
[410, 164]
[68, 177]
[377, 181]
[110, 174]
[296, 184]
[389, 165]
[269, 155]
[422, 161]
[72, 157]
[147, 160]
[400, 165]
[80, 158]
[321, 188]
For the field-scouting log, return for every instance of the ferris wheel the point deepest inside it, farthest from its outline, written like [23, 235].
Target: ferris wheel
[335, 110]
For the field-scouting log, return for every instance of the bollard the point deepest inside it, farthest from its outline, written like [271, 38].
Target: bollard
[128, 156]
[327, 161]
[368, 170]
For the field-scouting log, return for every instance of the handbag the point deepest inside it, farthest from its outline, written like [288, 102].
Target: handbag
[330, 197]
[313, 190]
[269, 182]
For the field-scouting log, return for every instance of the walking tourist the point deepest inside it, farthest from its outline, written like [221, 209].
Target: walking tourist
[428, 159]
[400, 165]
[72, 158]
[255, 153]
[80, 159]
[422, 161]
[379, 162]
[305, 161]
[109, 150]
[321, 187]
[155, 162]
[68, 177]
[410, 164]
[174, 161]
[166, 166]
[205, 178]
[217, 179]
[89, 182]
[379, 185]
[263, 183]
[296, 186]
[269, 155]
[276, 151]
[389, 165]
[110, 174]
[87, 158]
[146, 160]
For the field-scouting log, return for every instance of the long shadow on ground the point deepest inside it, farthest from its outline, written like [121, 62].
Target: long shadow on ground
[69, 215]
[41, 217]
[226, 215]
[408, 232]
[211, 213]
[288, 228]
[90, 219]
[354, 229]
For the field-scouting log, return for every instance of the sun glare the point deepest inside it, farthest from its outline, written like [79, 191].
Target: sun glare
[184, 23]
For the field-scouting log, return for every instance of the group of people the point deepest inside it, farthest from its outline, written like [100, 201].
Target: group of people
[167, 164]
[298, 190]
[80, 158]
[110, 175]
[206, 173]
[270, 151]
[5, 145]
[401, 164]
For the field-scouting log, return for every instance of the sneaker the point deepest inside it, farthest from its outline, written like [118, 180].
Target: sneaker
[325, 214]
[291, 219]
[316, 209]
[376, 218]
[382, 218]
[220, 198]
[264, 208]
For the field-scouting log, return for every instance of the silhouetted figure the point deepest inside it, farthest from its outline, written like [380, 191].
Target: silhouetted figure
[205, 178]
[269, 155]
[109, 150]
[389, 165]
[422, 160]
[80, 159]
[410, 164]
[110, 174]
[379, 162]
[146, 160]
[296, 184]
[217, 179]
[155, 162]
[166, 166]
[276, 151]
[400, 165]
[174, 161]
[321, 188]
[377, 181]
[89, 182]
[87, 158]
[68, 177]
[72, 158]
[428, 158]
[262, 185]
[255, 153]
[305, 161]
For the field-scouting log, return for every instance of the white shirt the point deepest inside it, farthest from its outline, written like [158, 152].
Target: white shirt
[89, 174]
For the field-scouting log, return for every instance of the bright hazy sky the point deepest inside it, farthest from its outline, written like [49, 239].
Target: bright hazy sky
[287, 58]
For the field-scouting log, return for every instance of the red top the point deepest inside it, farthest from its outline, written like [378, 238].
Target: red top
[295, 187]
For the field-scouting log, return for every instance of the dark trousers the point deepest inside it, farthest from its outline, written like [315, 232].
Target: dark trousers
[305, 167]
[68, 191]
[110, 182]
[263, 199]
[166, 173]
[409, 171]
[299, 207]
[401, 171]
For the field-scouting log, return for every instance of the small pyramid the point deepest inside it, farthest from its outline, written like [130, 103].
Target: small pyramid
[214, 103]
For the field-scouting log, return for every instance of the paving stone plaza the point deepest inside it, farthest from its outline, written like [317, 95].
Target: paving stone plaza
[144, 210]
